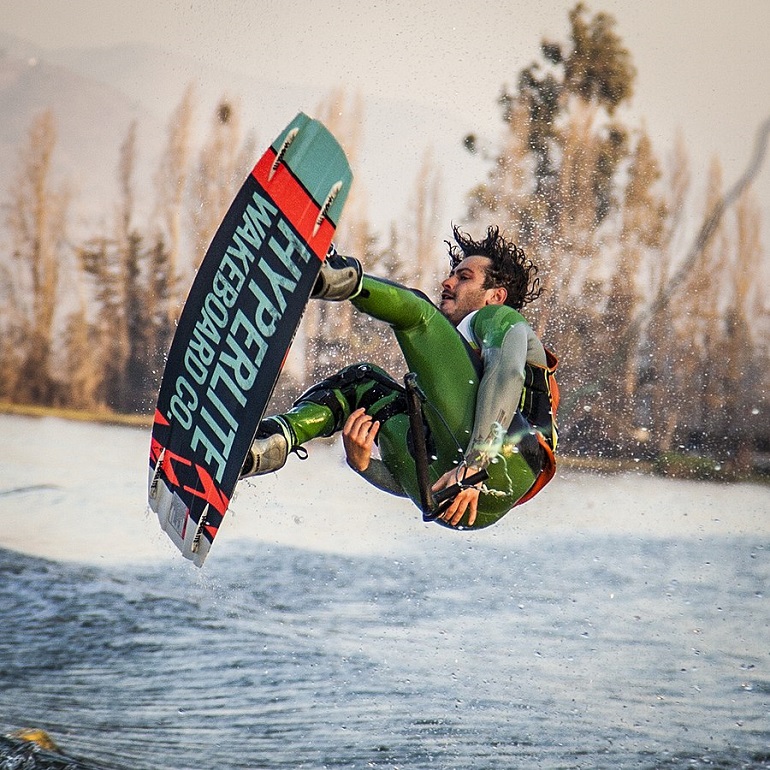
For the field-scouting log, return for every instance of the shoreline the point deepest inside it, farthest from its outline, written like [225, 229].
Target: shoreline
[597, 465]
[103, 416]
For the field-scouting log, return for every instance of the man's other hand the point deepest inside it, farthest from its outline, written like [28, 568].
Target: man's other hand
[358, 439]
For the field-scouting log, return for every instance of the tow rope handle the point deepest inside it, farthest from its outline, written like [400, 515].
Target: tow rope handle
[431, 503]
[448, 494]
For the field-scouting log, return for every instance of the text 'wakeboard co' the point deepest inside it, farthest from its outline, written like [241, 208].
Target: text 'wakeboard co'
[228, 341]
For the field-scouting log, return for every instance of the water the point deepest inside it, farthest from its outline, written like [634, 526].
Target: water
[621, 623]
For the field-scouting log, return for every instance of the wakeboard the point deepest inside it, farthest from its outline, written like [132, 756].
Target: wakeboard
[236, 328]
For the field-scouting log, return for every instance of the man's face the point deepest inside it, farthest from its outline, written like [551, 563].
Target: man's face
[463, 290]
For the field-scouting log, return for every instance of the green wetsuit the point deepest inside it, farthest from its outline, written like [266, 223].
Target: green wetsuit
[473, 378]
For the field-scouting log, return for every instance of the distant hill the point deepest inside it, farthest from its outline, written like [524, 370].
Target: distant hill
[156, 79]
[92, 119]
[96, 93]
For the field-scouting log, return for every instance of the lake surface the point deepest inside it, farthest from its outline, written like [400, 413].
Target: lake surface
[614, 622]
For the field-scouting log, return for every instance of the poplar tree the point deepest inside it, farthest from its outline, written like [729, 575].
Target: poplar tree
[660, 370]
[171, 179]
[698, 315]
[85, 372]
[112, 264]
[743, 381]
[129, 298]
[37, 224]
[641, 242]
[223, 163]
[422, 238]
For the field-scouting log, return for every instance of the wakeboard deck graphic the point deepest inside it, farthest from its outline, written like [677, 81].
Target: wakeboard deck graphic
[236, 328]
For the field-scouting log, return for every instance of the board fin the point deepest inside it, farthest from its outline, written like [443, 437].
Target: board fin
[290, 137]
[155, 478]
[196, 540]
[327, 204]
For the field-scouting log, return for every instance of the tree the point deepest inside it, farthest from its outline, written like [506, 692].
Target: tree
[594, 69]
[698, 320]
[558, 181]
[554, 177]
[111, 264]
[37, 222]
[743, 380]
[85, 373]
[171, 185]
[422, 238]
[123, 273]
[599, 67]
[641, 330]
[660, 364]
[159, 296]
[223, 162]
[641, 244]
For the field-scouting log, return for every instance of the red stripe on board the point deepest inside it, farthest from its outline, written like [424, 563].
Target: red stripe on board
[159, 418]
[167, 468]
[155, 449]
[295, 203]
[210, 492]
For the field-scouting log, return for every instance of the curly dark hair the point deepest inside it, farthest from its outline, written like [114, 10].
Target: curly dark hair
[510, 268]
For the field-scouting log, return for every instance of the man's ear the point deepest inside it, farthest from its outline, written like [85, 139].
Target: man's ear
[498, 296]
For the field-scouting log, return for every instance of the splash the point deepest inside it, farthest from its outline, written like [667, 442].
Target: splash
[491, 447]
[497, 445]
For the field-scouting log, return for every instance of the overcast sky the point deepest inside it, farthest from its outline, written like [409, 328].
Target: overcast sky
[702, 64]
